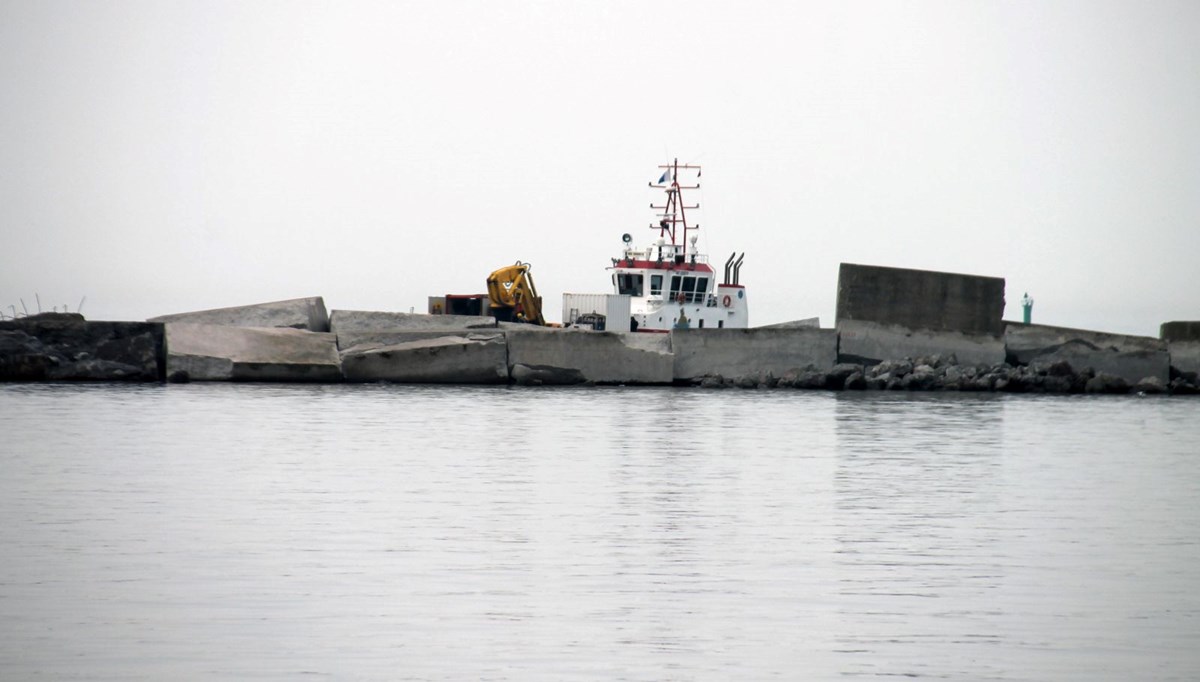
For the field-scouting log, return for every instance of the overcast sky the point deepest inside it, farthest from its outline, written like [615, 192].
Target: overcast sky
[160, 157]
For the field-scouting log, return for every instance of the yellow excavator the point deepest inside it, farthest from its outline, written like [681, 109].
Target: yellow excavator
[513, 297]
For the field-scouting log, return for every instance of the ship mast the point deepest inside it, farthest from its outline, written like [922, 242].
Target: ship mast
[673, 215]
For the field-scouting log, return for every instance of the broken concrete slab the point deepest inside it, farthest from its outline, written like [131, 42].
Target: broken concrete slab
[296, 313]
[871, 343]
[359, 328]
[573, 357]
[430, 358]
[759, 351]
[210, 352]
[1132, 358]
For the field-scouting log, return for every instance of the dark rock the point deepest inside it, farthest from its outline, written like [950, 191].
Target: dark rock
[64, 346]
[1150, 386]
[1106, 383]
[1058, 384]
[1180, 386]
[811, 379]
[841, 371]
[855, 382]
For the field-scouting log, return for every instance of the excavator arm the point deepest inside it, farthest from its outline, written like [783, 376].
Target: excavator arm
[512, 295]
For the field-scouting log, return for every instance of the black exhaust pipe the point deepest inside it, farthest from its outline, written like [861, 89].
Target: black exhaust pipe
[728, 263]
[737, 269]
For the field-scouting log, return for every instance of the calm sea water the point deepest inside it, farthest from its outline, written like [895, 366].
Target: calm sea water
[394, 532]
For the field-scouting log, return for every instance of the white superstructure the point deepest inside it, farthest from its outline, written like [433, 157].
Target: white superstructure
[669, 284]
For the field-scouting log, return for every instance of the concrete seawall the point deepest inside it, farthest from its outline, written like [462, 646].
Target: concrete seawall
[366, 346]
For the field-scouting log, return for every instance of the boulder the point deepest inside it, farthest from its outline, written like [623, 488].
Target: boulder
[207, 352]
[1106, 383]
[297, 313]
[467, 358]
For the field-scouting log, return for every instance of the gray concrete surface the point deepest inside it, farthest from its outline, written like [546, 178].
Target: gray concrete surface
[920, 299]
[1131, 358]
[806, 323]
[296, 313]
[368, 321]
[357, 329]
[430, 357]
[570, 357]
[208, 352]
[870, 343]
[1185, 355]
[750, 352]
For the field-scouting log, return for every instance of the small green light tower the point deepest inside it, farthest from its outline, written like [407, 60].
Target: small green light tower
[1027, 304]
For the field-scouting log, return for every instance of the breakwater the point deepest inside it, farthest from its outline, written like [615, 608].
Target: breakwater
[238, 344]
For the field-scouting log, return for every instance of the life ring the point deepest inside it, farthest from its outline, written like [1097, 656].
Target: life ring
[727, 301]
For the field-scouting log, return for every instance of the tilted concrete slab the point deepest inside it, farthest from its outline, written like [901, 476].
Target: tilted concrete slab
[578, 356]
[207, 352]
[430, 358]
[361, 328]
[1132, 358]
[920, 299]
[806, 323]
[358, 321]
[296, 313]
[870, 343]
[751, 352]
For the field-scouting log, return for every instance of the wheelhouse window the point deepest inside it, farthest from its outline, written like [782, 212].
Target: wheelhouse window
[629, 285]
[675, 287]
[655, 285]
[689, 289]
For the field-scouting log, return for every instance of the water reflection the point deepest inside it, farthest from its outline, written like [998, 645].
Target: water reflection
[917, 497]
[446, 533]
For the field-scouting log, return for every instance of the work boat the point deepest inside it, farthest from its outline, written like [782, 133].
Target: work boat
[670, 284]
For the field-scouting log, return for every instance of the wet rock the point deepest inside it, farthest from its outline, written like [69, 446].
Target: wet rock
[1106, 383]
[836, 377]
[855, 382]
[1150, 386]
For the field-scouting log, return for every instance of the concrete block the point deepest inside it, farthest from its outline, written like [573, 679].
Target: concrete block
[920, 299]
[364, 327]
[569, 357]
[806, 323]
[206, 352]
[430, 358]
[1179, 331]
[297, 313]
[1131, 358]
[1185, 355]
[870, 343]
[751, 352]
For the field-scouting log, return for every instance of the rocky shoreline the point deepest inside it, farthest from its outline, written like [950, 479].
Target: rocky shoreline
[938, 373]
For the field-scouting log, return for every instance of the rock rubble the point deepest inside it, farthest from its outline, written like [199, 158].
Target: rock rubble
[944, 373]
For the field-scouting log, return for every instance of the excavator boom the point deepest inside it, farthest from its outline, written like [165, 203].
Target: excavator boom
[512, 295]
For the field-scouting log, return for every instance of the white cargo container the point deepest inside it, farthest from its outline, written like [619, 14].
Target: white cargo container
[614, 308]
